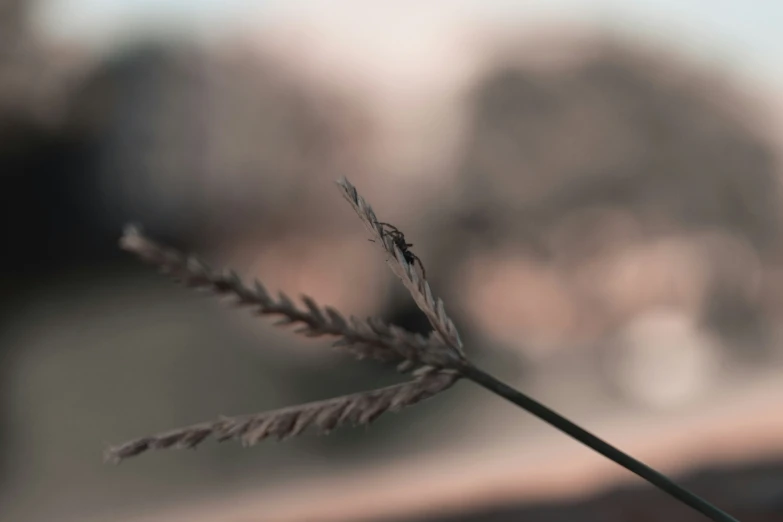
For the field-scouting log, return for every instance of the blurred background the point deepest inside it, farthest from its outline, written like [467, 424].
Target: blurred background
[594, 187]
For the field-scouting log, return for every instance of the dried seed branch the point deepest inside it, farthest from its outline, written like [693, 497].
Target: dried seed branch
[370, 338]
[414, 281]
[357, 409]
[409, 273]
[442, 353]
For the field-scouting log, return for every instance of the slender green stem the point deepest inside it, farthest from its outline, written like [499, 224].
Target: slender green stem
[591, 441]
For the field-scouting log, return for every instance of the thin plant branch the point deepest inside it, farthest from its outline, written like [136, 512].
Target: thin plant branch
[370, 338]
[440, 358]
[356, 409]
[409, 273]
[420, 291]
[596, 444]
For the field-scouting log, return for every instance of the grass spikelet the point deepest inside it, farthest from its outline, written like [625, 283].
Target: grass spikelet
[437, 361]
[410, 274]
[324, 416]
[371, 338]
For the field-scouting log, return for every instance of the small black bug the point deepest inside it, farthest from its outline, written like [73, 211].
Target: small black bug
[399, 240]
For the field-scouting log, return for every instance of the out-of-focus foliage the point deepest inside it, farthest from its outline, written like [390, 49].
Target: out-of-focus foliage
[620, 130]
[617, 182]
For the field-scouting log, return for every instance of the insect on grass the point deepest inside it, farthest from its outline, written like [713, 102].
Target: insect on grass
[399, 241]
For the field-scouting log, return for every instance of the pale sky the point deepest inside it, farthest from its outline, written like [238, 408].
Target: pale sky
[743, 36]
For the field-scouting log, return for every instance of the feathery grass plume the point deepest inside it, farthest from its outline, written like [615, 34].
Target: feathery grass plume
[413, 279]
[356, 409]
[409, 273]
[440, 354]
[370, 338]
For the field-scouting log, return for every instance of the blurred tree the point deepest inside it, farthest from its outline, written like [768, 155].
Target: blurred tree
[184, 140]
[617, 130]
[620, 131]
[220, 140]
